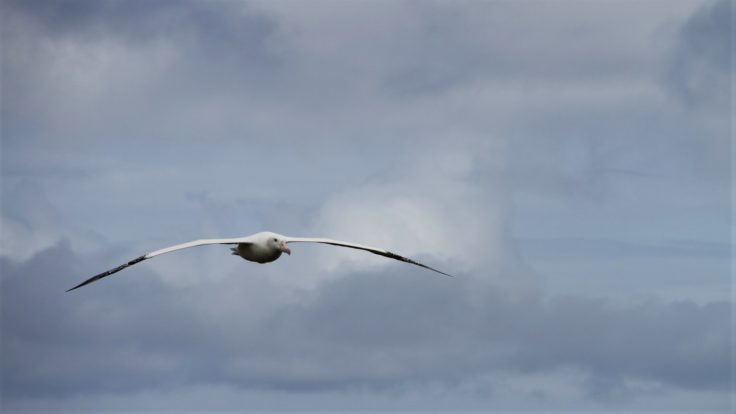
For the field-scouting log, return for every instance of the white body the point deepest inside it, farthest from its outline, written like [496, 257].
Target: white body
[260, 249]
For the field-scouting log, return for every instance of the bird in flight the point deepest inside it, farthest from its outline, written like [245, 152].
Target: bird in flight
[261, 247]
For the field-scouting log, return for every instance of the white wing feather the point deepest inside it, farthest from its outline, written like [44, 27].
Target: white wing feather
[374, 250]
[165, 250]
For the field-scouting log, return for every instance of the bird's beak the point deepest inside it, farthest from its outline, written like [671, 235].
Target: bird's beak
[285, 248]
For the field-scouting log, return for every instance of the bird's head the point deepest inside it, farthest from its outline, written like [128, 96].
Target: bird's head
[279, 243]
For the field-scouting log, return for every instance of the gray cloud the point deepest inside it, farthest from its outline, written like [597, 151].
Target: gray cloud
[702, 59]
[229, 26]
[572, 248]
[118, 63]
[377, 330]
[526, 149]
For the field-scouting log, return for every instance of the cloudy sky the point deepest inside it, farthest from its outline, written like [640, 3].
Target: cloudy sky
[569, 161]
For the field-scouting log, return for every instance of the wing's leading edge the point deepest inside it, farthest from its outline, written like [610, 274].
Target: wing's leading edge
[165, 250]
[374, 250]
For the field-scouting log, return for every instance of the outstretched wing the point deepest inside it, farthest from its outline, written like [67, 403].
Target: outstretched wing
[160, 252]
[374, 250]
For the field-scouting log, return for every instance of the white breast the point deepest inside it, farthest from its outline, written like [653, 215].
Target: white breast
[257, 252]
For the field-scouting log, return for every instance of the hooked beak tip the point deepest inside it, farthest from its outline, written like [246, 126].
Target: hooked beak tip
[285, 248]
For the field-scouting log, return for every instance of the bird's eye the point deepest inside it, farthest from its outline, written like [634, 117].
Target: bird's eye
[275, 240]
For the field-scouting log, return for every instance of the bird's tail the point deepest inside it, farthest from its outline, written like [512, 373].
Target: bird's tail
[234, 251]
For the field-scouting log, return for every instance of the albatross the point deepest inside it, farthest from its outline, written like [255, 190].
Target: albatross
[263, 247]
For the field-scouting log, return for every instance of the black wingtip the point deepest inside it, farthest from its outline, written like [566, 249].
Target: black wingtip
[88, 281]
[76, 287]
[407, 260]
[440, 272]
[109, 272]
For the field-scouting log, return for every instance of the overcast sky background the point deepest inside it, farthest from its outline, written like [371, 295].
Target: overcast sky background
[569, 161]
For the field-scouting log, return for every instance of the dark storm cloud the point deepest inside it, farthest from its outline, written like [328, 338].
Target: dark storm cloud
[702, 60]
[214, 27]
[403, 329]
[216, 39]
[376, 330]
[45, 332]
[699, 76]
[78, 67]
